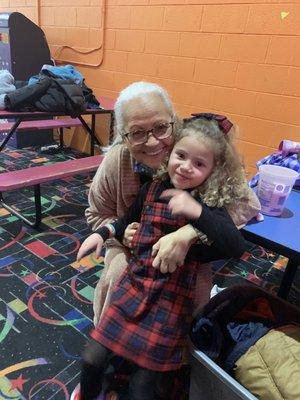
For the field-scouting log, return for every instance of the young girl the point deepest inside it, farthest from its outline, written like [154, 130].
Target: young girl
[149, 317]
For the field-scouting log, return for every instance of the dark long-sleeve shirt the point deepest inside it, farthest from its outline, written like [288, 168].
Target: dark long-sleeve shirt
[226, 240]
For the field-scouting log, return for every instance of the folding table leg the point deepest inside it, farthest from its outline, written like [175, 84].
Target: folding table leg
[287, 280]
[91, 132]
[61, 139]
[10, 133]
[111, 127]
[38, 208]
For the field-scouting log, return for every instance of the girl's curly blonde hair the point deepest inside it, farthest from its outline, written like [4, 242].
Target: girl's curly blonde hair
[227, 183]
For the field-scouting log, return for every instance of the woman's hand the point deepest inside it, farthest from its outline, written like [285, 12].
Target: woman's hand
[94, 241]
[128, 234]
[182, 203]
[170, 250]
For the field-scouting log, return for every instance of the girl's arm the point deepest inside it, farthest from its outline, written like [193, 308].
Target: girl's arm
[170, 251]
[225, 239]
[215, 223]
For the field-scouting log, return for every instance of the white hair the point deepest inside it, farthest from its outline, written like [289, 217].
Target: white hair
[135, 90]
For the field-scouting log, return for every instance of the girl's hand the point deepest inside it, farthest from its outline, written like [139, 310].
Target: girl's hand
[182, 203]
[94, 241]
[129, 232]
[170, 250]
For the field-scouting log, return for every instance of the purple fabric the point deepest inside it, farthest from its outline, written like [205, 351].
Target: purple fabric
[288, 156]
[287, 146]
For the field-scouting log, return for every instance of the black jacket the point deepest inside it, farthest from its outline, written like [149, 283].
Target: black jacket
[48, 94]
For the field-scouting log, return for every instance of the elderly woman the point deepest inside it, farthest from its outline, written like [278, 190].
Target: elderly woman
[144, 123]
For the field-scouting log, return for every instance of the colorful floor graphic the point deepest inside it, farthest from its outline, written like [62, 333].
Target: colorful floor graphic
[46, 297]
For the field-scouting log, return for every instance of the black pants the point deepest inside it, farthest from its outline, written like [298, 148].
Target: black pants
[95, 361]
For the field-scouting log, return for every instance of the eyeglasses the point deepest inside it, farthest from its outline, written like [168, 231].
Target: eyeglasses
[141, 136]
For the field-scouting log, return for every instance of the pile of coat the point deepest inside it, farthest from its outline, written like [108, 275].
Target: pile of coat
[255, 337]
[54, 89]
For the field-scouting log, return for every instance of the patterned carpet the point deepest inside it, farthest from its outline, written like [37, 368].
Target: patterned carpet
[46, 297]
[261, 267]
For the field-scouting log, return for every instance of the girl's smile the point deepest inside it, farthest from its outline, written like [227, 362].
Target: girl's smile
[191, 162]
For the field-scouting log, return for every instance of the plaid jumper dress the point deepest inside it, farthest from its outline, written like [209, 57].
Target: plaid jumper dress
[149, 317]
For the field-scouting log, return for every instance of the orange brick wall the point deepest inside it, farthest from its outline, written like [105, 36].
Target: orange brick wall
[240, 58]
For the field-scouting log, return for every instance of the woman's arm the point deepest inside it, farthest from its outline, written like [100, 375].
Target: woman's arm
[132, 215]
[113, 189]
[113, 229]
[169, 252]
[102, 195]
[245, 209]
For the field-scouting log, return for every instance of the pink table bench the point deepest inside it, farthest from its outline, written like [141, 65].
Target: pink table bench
[59, 124]
[42, 124]
[35, 176]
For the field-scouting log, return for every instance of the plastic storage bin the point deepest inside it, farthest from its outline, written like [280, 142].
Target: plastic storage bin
[210, 382]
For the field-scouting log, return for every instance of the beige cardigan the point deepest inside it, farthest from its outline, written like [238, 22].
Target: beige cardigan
[114, 188]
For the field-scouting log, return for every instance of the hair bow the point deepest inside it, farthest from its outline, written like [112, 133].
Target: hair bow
[224, 124]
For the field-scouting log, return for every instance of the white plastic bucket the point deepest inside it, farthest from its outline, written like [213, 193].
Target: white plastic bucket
[274, 186]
